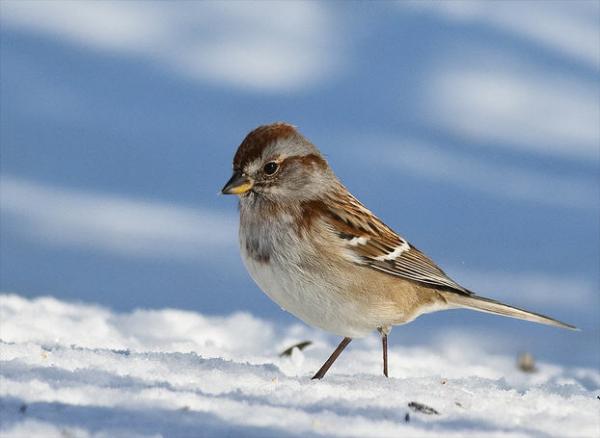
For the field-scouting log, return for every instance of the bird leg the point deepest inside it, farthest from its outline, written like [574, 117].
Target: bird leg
[384, 344]
[332, 358]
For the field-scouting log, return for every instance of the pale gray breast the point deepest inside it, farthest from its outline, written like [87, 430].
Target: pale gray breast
[256, 243]
[269, 234]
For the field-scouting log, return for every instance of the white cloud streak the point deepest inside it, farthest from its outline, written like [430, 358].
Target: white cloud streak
[432, 162]
[261, 46]
[569, 28]
[491, 95]
[503, 106]
[117, 225]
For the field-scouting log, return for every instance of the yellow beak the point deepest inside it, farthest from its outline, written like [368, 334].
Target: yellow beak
[238, 184]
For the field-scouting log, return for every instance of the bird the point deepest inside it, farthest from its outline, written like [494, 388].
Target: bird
[322, 256]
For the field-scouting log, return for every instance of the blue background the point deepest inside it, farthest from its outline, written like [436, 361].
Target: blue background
[89, 119]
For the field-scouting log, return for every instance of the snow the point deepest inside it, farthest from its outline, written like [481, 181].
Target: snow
[80, 370]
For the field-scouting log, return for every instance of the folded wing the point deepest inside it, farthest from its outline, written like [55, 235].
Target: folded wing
[370, 242]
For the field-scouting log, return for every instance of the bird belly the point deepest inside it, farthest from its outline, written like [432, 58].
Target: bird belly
[316, 303]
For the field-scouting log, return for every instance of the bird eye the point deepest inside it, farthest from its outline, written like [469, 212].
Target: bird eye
[271, 167]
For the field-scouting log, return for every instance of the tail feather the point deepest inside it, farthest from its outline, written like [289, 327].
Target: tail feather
[492, 306]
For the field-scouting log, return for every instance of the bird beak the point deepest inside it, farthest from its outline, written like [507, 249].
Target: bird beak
[238, 184]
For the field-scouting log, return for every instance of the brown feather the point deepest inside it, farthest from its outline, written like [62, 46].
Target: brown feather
[349, 219]
[257, 140]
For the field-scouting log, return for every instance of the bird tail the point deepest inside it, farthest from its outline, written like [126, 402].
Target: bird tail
[488, 305]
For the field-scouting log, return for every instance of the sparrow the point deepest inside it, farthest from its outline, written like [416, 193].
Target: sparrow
[321, 255]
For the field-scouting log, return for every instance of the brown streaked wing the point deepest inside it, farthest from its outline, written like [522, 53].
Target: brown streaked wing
[414, 265]
[350, 221]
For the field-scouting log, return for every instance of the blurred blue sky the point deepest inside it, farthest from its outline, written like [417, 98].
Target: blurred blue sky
[472, 128]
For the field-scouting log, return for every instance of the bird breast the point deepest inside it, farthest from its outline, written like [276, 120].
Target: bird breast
[306, 277]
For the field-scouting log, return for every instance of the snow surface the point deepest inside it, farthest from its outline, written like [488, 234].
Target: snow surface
[80, 370]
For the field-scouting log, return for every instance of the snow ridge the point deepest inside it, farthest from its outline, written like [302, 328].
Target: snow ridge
[81, 370]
